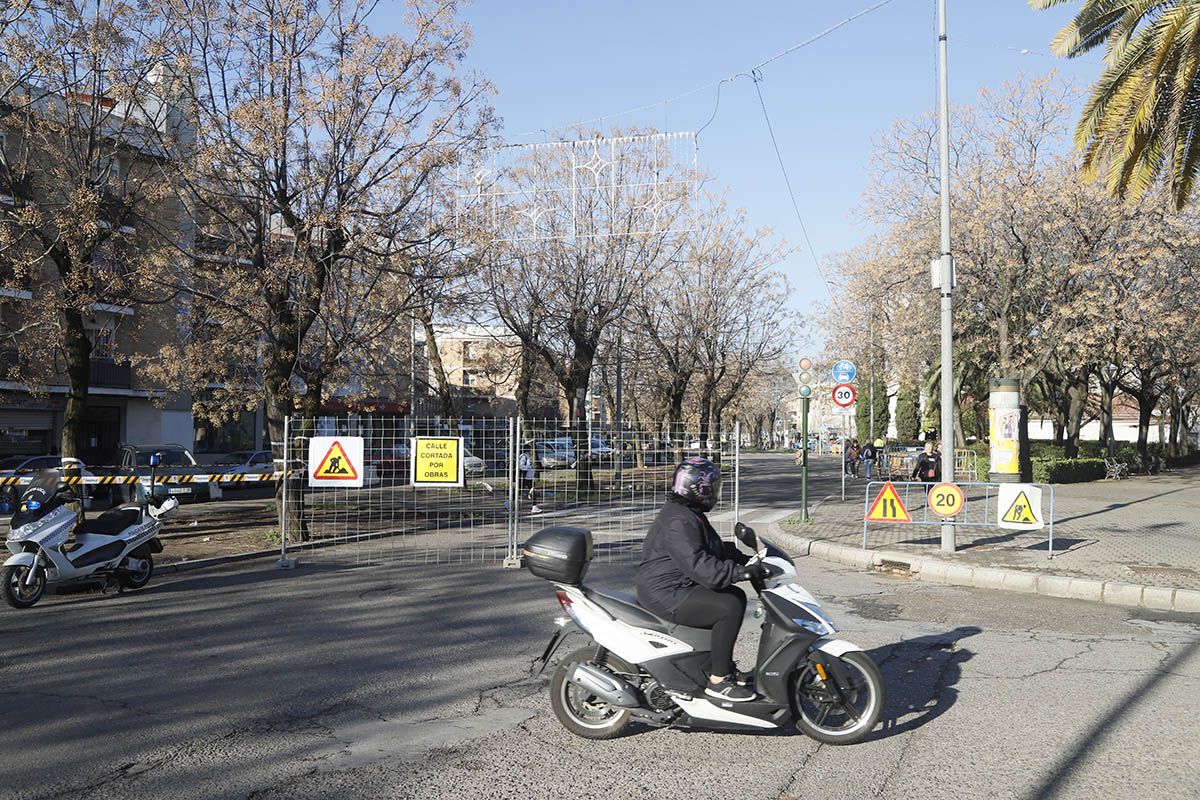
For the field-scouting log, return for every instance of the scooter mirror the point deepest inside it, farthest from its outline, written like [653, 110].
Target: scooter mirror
[745, 535]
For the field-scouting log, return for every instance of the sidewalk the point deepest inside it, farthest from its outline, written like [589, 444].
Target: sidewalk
[1134, 542]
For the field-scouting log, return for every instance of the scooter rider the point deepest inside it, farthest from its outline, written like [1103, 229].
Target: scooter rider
[688, 573]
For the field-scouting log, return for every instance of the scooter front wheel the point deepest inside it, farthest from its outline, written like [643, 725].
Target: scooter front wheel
[844, 713]
[16, 592]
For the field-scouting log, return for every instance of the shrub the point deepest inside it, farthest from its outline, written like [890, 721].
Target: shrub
[1067, 470]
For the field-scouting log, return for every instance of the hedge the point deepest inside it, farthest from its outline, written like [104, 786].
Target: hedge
[1067, 470]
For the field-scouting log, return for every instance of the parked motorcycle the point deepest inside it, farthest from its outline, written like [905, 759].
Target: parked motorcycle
[51, 544]
[646, 668]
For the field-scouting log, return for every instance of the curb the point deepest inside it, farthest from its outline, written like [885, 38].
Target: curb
[215, 561]
[938, 570]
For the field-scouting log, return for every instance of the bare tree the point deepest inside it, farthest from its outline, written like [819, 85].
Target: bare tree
[316, 141]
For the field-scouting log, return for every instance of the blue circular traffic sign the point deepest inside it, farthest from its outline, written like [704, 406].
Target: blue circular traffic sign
[844, 371]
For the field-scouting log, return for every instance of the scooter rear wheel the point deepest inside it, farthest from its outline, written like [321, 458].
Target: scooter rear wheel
[16, 593]
[821, 712]
[136, 580]
[581, 713]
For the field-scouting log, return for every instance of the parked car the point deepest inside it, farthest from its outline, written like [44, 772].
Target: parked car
[473, 465]
[392, 464]
[176, 460]
[555, 453]
[22, 466]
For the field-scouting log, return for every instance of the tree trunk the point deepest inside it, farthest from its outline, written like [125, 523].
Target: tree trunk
[1078, 393]
[1146, 404]
[1107, 434]
[79, 354]
[310, 403]
[277, 402]
[445, 396]
[525, 368]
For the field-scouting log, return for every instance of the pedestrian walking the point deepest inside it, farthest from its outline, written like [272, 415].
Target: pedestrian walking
[852, 454]
[869, 454]
[526, 465]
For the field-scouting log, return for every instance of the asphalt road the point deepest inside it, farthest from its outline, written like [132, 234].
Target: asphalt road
[412, 681]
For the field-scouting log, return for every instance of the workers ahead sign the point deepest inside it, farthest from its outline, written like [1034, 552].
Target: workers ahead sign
[335, 461]
[437, 461]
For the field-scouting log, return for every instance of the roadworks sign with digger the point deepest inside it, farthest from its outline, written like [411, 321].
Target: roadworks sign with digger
[1019, 507]
[335, 461]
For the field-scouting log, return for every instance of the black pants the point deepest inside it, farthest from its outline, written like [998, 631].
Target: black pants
[722, 610]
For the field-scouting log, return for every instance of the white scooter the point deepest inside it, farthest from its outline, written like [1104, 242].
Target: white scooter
[652, 670]
[117, 546]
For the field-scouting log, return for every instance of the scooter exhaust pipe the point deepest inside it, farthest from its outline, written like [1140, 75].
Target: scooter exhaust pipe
[608, 688]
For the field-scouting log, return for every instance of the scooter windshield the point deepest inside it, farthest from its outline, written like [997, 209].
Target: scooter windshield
[39, 498]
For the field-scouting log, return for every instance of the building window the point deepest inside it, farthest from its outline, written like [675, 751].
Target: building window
[104, 344]
[468, 350]
[469, 378]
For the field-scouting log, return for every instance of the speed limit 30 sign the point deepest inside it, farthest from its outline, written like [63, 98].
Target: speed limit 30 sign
[844, 395]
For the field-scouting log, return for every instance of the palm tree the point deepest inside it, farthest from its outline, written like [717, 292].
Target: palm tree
[1142, 120]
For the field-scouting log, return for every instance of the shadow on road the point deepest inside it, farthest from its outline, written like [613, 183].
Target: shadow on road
[1060, 774]
[920, 675]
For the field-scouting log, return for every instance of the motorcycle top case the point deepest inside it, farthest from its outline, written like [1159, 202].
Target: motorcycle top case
[559, 554]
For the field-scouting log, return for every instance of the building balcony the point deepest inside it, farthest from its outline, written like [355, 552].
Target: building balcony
[107, 374]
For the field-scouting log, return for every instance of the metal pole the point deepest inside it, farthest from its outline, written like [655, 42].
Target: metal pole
[284, 562]
[947, 274]
[618, 443]
[737, 472]
[804, 458]
[845, 444]
[871, 373]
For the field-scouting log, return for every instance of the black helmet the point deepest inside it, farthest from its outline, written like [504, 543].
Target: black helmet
[697, 482]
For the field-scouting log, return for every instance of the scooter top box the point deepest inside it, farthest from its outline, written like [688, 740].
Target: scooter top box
[559, 554]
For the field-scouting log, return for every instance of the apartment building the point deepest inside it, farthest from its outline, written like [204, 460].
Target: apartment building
[128, 399]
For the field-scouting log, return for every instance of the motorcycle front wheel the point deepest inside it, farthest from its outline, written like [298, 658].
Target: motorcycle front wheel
[839, 718]
[16, 593]
[581, 713]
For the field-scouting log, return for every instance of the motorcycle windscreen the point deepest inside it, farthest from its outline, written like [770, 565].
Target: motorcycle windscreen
[39, 498]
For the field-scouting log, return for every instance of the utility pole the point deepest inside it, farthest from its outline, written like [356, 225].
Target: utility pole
[947, 273]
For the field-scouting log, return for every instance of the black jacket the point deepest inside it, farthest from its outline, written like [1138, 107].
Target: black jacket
[681, 552]
[928, 468]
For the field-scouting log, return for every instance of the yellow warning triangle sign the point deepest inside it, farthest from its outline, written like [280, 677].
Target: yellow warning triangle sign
[1020, 512]
[336, 465]
[888, 507]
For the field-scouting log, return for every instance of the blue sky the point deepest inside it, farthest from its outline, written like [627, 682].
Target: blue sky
[555, 63]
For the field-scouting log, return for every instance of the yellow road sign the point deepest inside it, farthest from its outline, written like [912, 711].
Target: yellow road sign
[888, 507]
[946, 499]
[437, 461]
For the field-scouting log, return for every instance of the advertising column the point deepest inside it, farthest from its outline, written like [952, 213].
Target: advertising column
[1004, 425]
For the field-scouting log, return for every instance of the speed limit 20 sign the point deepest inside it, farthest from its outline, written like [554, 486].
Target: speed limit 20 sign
[844, 395]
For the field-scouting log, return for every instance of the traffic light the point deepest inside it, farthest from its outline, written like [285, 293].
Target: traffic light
[805, 377]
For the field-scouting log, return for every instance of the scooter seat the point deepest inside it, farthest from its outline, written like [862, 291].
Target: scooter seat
[110, 522]
[624, 606]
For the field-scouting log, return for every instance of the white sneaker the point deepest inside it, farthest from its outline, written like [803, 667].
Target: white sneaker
[535, 510]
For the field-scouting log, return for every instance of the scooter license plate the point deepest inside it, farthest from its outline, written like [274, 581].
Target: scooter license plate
[178, 490]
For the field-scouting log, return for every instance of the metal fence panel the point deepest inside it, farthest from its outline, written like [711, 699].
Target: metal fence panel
[977, 519]
[612, 484]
